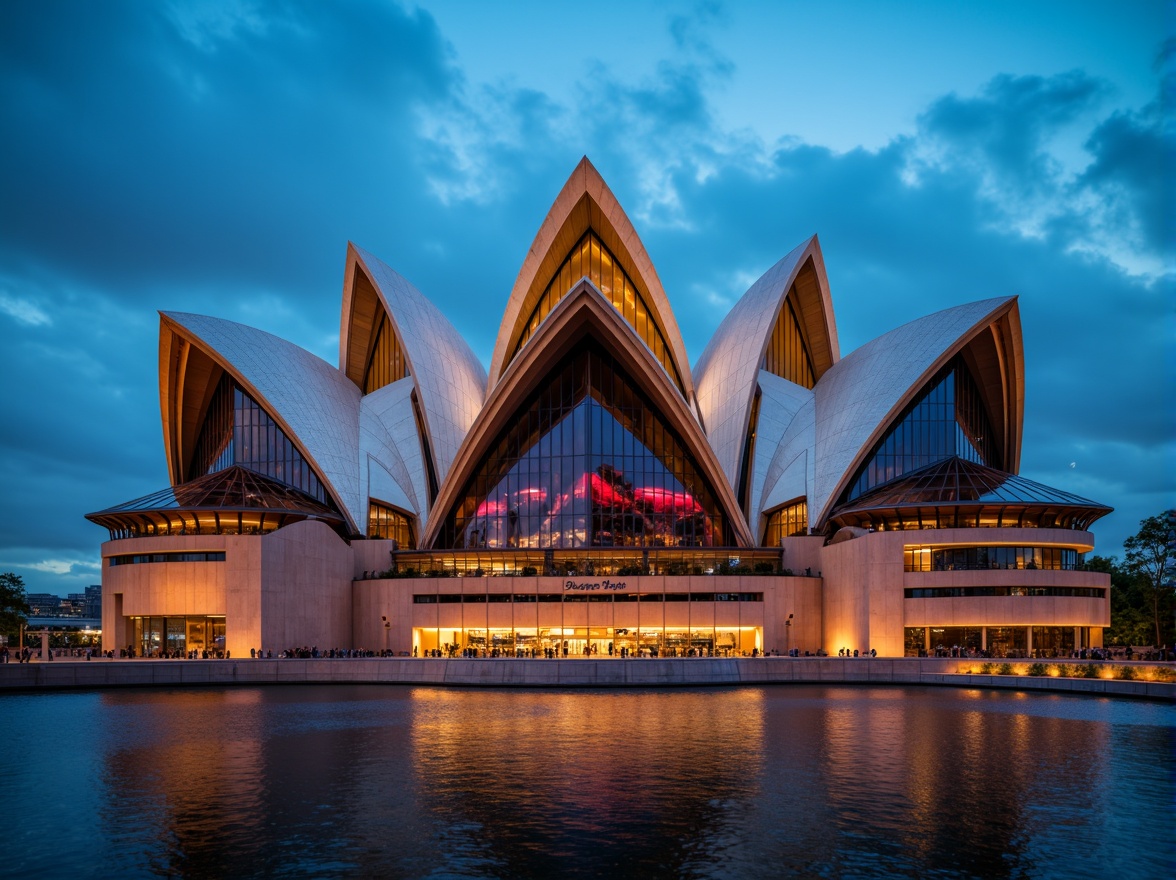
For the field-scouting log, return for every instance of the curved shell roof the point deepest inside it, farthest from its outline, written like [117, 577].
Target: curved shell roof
[586, 202]
[450, 381]
[389, 443]
[783, 447]
[725, 376]
[867, 389]
[314, 403]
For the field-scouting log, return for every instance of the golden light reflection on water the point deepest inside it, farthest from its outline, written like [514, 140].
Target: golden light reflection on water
[868, 782]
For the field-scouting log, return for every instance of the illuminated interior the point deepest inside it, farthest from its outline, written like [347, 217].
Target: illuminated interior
[387, 363]
[591, 259]
[167, 636]
[590, 641]
[787, 355]
[947, 420]
[996, 641]
[587, 462]
[785, 522]
[238, 431]
[982, 558]
[385, 521]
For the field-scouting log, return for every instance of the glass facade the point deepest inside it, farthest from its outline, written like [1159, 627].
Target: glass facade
[968, 592]
[788, 355]
[385, 521]
[954, 493]
[786, 521]
[981, 558]
[238, 431]
[948, 420]
[1000, 642]
[589, 641]
[1053, 641]
[743, 491]
[1007, 641]
[588, 461]
[177, 636]
[387, 363]
[591, 259]
[142, 558]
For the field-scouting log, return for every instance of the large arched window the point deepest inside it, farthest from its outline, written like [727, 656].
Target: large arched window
[590, 258]
[238, 431]
[787, 354]
[947, 420]
[786, 521]
[387, 363]
[390, 523]
[588, 461]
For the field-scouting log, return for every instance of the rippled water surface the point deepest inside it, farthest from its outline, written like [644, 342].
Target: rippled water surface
[748, 782]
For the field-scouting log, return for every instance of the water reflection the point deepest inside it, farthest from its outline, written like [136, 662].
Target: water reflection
[416, 782]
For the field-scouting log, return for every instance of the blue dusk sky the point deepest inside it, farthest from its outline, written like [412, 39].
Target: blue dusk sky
[217, 157]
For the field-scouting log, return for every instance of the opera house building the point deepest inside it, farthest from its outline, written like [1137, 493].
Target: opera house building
[594, 493]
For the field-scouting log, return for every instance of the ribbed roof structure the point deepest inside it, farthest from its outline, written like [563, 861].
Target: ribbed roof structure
[235, 498]
[954, 485]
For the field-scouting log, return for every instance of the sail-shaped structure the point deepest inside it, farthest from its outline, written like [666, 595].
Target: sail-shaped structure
[592, 493]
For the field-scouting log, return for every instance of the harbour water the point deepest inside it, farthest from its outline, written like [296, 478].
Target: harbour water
[399, 781]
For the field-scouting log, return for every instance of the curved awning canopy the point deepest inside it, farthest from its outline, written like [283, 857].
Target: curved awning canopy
[955, 493]
[235, 500]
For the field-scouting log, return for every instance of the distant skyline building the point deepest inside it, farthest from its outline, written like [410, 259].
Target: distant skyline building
[593, 494]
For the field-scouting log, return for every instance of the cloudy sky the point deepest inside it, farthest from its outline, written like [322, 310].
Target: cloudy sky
[217, 157]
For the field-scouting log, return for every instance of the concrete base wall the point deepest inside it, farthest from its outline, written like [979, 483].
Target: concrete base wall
[557, 674]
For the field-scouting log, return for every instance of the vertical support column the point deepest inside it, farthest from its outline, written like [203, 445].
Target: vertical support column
[984, 639]
[1029, 640]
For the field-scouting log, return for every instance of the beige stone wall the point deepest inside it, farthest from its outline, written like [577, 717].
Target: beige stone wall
[302, 586]
[305, 591]
[864, 581]
[163, 588]
[285, 589]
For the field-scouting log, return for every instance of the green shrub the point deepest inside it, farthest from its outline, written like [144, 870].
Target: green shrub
[529, 571]
[1037, 669]
[1005, 669]
[1125, 673]
[987, 668]
[1090, 671]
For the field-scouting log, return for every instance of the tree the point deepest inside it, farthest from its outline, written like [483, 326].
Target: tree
[1131, 623]
[1150, 555]
[14, 609]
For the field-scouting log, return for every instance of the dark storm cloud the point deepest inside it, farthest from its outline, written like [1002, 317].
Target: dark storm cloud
[202, 147]
[1003, 129]
[218, 163]
[1132, 172]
